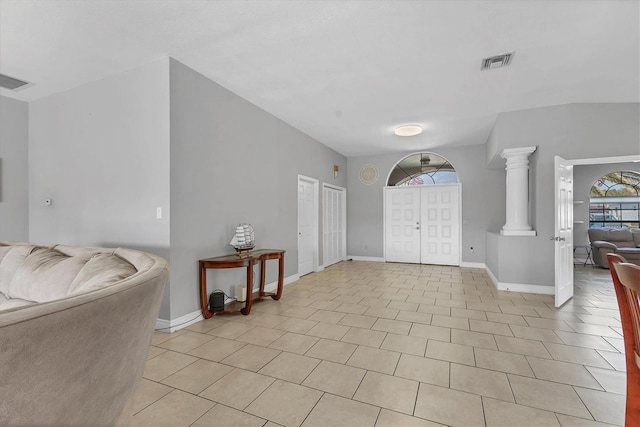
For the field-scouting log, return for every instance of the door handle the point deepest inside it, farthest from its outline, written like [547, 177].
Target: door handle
[557, 239]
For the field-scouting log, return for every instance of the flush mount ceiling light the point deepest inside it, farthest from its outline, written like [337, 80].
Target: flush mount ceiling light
[408, 130]
[497, 61]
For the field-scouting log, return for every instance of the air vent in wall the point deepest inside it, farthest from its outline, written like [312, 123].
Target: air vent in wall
[497, 61]
[12, 83]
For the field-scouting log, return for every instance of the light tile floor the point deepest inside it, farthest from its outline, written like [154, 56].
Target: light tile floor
[375, 344]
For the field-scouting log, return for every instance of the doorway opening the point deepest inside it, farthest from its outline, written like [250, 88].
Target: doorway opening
[564, 264]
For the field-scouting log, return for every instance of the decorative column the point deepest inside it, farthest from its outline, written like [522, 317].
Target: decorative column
[517, 192]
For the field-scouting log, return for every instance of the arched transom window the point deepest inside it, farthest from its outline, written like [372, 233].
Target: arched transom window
[422, 169]
[614, 200]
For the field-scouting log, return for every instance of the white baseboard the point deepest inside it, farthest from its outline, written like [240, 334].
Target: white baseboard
[491, 276]
[270, 287]
[521, 287]
[173, 325]
[319, 269]
[181, 322]
[366, 258]
[381, 259]
[465, 264]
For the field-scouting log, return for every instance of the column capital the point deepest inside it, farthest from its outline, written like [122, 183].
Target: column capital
[520, 151]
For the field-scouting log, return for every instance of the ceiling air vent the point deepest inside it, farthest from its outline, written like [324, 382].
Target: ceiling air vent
[12, 83]
[497, 61]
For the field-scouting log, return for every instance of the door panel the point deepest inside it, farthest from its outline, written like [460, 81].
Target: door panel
[333, 225]
[305, 227]
[563, 231]
[402, 224]
[440, 238]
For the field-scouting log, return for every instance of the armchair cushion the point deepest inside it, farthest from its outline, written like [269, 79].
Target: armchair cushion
[603, 244]
[48, 274]
[621, 235]
[100, 271]
[614, 240]
[6, 303]
[44, 275]
[11, 258]
[630, 253]
[627, 244]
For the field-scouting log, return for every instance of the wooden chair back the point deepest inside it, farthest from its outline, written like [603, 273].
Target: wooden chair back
[626, 282]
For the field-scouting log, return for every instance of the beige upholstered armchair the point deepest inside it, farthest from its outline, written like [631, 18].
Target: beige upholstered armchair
[75, 359]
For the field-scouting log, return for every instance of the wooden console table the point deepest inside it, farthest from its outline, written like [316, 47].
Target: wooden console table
[235, 261]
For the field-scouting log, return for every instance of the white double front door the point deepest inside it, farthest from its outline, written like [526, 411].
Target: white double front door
[422, 224]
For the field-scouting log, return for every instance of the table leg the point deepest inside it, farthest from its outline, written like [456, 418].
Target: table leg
[280, 278]
[204, 304]
[589, 258]
[263, 276]
[247, 308]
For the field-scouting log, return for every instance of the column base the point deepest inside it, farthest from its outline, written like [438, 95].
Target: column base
[518, 233]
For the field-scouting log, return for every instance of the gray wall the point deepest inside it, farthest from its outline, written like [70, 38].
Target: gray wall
[232, 162]
[110, 152]
[584, 176]
[514, 259]
[101, 152]
[483, 195]
[574, 131]
[14, 182]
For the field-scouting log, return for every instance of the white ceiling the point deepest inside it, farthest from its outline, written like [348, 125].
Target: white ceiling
[344, 72]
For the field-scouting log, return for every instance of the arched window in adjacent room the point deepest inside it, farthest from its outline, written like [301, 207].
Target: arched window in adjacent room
[614, 200]
[422, 169]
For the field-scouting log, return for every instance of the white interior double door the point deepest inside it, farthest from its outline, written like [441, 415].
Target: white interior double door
[334, 213]
[422, 224]
[334, 228]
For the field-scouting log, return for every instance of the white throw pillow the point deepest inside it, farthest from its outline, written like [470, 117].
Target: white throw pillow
[11, 257]
[45, 275]
[100, 271]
